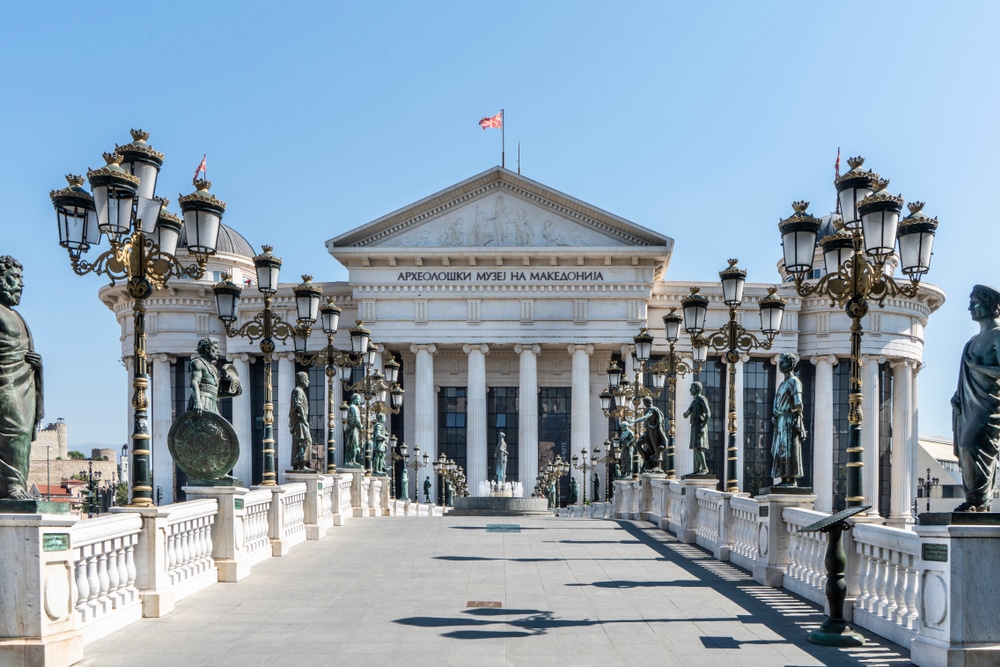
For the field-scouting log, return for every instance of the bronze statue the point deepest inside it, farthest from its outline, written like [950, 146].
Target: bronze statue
[574, 491]
[427, 489]
[404, 485]
[207, 386]
[699, 413]
[789, 428]
[597, 487]
[379, 446]
[20, 386]
[501, 459]
[630, 457]
[353, 434]
[653, 440]
[298, 423]
[976, 403]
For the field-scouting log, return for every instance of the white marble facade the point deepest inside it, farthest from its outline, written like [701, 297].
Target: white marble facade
[500, 281]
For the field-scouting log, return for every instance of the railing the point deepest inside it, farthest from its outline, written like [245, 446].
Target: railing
[326, 502]
[293, 524]
[188, 534]
[708, 527]
[256, 543]
[887, 581]
[104, 594]
[806, 572]
[746, 531]
[674, 506]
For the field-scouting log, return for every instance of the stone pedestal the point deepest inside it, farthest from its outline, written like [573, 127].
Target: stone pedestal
[313, 507]
[648, 500]
[375, 486]
[282, 540]
[359, 491]
[959, 572]
[626, 499]
[688, 525]
[228, 530]
[37, 624]
[773, 536]
[384, 493]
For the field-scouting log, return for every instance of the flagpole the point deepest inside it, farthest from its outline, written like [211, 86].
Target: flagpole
[519, 157]
[503, 139]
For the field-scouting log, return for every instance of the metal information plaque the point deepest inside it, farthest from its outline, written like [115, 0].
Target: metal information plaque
[55, 542]
[823, 524]
[934, 552]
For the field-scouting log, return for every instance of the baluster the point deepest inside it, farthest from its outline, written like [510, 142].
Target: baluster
[82, 583]
[185, 555]
[912, 591]
[880, 582]
[864, 563]
[113, 579]
[130, 563]
[92, 579]
[901, 612]
[171, 535]
[872, 602]
[794, 553]
[103, 578]
[122, 570]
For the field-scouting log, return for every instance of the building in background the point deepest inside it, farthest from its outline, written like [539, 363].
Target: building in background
[505, 301]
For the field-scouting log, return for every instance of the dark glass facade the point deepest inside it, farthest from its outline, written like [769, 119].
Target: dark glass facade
[452, 428]
[758, 408]
[502, 416]
[554, 412]
[841, 431]
[884, 416]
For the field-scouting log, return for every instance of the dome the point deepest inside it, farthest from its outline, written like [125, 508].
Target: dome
[230, 241]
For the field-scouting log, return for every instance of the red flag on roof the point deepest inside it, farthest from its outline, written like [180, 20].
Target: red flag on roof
[836, 171]
[495, 122]
[202, 168]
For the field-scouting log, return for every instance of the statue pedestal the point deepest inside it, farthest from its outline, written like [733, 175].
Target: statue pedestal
[228, 530]
[688, 526]
[773, 535]
[627, 498]
[359, 492]
[313, 507]
[375, 486]
[341, 509]
[37, 624]
[959, 569]
[647, 498]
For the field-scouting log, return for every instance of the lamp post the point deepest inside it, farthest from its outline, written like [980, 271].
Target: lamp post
[674, 366]
[91, 477]
[266, 327]
[143, 238]
[417, 463]
[580, 463]
[331, 358]
[732, 339]
[623, 397]
[611, 454]
[927, 484]
[380, 393]
[857, 264]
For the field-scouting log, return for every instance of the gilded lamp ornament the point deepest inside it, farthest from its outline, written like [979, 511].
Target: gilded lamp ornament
[142, 235]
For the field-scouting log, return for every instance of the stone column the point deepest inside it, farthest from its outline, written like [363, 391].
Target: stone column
[870, 430]
[477, 459]
[580, 417]
[424, 409]
[683, 458]
[282, 438]
[527, 433]
[243, 421]
[823, 433]
[740, 428]
[902, 461]
[163, 463]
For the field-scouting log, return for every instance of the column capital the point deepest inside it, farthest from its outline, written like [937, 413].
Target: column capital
[429, 347]
[874, 358]
[162, 357]
[816, 360]
[285, 356]
[239, 356]
[572, 349]
[903, 362]
[775, 358]
[485, 349]
[534, 349]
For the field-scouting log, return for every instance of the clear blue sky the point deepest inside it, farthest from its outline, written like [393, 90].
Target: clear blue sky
[703, 121]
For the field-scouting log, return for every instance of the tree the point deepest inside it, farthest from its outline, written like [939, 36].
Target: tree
[76, 456]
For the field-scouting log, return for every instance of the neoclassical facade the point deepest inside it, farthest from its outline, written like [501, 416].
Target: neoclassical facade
[505, 301]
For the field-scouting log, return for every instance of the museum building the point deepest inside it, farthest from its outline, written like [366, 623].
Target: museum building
[505, 301]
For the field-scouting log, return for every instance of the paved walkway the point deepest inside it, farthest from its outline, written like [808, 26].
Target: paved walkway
[452, 591]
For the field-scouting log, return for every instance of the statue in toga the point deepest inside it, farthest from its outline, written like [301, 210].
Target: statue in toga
[976, 403]
[298, 423]
[699, 413]
[789, 428]
[353, 434]
[501, 459]
[20, 386]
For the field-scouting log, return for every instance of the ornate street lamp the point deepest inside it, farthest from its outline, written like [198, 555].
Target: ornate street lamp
[417, 463]
[580, 463]
[731, 339]
[142, 236]
[927, 484]
[331, 358]
[858, 269]
[266, 327]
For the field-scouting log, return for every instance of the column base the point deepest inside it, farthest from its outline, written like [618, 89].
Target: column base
[839, 635]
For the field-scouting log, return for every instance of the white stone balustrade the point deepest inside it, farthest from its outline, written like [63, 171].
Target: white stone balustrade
[315, 523]
[343, 488]
[174, 553]
[104, 595]
[286, 517]
[888, 581]
[806, 572]
[746, 519]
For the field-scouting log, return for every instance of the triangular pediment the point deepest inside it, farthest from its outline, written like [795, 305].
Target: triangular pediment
[498, 210]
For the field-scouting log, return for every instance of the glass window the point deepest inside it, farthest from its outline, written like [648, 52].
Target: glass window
[452, 432]
[758, 408]
[807, 373]
[502, 415]
[841, 431]
[257, 412]
[554, 413]
[884, 417]
[713, 381]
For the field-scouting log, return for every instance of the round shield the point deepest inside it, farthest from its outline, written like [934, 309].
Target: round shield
[203, 444]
